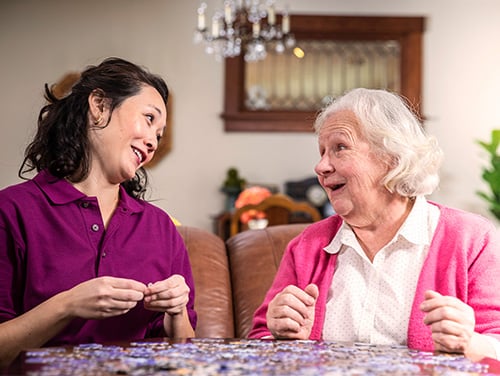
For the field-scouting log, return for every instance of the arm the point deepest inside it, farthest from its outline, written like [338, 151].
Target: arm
[31, 329]
[285, 276]
[95, 299]
[464, 254]
[178, 325]
[452, 323]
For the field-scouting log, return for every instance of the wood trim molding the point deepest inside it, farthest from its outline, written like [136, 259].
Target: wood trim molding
[407, 30]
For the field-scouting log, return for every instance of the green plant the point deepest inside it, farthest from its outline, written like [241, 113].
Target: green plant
[491, 174]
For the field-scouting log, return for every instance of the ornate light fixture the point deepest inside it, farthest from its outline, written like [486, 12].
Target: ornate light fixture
[244, 26]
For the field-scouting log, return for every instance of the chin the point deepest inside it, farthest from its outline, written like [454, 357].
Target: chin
[342, 208]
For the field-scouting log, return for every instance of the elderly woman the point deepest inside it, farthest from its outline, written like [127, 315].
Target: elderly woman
[390, 267]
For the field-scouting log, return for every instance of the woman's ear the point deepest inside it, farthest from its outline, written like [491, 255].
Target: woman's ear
[97, 106]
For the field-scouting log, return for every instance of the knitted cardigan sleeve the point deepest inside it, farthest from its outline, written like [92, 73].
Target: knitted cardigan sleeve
[464, 262]
[303, 262]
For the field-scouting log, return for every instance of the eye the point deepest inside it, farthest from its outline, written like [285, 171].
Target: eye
[159, 137]
[150, 118]
[340, 147]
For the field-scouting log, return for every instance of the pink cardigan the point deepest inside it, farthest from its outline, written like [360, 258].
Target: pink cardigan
[463, 261]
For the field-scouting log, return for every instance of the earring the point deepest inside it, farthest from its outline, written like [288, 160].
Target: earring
[97, 121]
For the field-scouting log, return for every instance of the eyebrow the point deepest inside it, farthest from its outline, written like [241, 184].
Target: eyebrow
[155, 108]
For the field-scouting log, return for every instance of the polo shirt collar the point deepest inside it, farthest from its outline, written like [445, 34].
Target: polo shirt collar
[61, 192]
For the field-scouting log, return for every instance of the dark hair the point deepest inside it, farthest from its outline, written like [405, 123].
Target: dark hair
[61, 144]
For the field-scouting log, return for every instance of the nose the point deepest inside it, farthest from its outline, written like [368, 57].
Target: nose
[151, 142]
[324, 166]
[151, 146]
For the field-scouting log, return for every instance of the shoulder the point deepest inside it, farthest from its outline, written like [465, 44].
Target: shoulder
[323, 230]
[453, 219]
[18, 194]
[150, 212]
[465, 232]
[317, 235]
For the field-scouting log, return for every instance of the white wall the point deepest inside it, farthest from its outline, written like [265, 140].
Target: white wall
[42, 40]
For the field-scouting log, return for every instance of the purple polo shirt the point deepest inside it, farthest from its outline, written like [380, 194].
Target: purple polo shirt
[52, 238]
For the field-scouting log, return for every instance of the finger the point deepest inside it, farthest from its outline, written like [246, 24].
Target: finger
[442, 301]
[448, 327]
[167, 306]
[431, 294]
[288, 305]
[168, 294]
[450, 343]
[312, 290]
[173, 282]
[300, 294]
[284, 327]
[464, 315]
[289, 330]
[177, 301]
[112, 288]
[286, 312]
[126, 295]
[114, 307]
[125, 283]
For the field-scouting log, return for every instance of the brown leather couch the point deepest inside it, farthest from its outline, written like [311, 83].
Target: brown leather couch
[231, 278]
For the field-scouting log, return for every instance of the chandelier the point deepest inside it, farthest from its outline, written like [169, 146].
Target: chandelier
[244, 26]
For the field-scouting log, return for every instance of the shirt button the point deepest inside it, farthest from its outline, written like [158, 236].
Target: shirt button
[95, 227]
[85, 204]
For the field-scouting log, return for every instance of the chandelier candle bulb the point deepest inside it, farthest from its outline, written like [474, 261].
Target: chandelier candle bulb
[228, 12]
[215, 27]
[201, 18]
[247, 27]
[285, 27]
[271, 16]
[256, 30]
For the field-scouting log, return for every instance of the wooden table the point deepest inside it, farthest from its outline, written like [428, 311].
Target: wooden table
[243, 357]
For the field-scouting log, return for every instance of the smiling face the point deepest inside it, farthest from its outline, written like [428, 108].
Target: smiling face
[130, 138]
[349, 171]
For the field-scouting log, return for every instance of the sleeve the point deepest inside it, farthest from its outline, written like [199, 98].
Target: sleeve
[483, 291]
[11, 275]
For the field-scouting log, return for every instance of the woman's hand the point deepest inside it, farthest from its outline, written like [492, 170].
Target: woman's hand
[290, 313]
[451, 321]
[104, 297]
[170, 295]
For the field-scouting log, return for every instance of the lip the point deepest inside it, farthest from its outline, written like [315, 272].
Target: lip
[335, 188]
[142, 159]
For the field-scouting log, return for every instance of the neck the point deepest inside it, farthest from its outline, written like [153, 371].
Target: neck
[107, 196]
[105, 193]
[374, 236]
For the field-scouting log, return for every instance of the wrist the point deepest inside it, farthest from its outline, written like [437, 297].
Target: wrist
[482, 345]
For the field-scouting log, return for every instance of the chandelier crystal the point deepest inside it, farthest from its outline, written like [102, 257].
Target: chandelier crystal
[247, 26]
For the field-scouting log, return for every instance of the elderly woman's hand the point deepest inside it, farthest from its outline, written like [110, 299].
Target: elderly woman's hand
[452, 322]
[170, 295]
[291, 312]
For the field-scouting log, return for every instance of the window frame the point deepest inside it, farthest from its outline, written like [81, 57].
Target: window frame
[408, 31]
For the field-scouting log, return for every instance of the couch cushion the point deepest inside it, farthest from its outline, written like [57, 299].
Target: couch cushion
[213, 299]
[254, 257]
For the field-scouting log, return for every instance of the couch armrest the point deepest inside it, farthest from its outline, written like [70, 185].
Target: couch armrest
[254, 257]
[213, 298]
